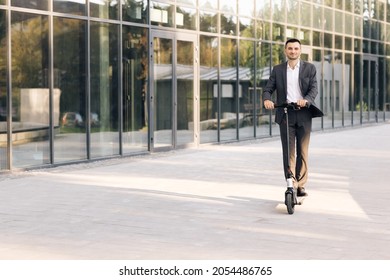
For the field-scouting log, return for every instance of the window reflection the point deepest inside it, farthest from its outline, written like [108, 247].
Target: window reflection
[208, 89]
[70, 83]
[186, 18]
[161, 14]
[228, 6]
[3, 92]
[262, 9]
[228, 24]
[30, 92]
[247, 103]
[135, 10]
[263, 64]
[208, 4]
[229, 94]
[76, 7]
[208, 21]
[103, 117]
[135, 76]
[246, 8]
[104, 8]
[32, 4]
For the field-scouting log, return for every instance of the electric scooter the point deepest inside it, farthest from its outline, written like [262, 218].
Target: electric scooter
[291, 198]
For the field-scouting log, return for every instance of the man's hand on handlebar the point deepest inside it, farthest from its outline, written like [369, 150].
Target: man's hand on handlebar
[302, 103]
[268, 104]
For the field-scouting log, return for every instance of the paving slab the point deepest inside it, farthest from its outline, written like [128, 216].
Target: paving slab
[213, 202]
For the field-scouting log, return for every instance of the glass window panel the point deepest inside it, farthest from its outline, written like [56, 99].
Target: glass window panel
[134, 95]
[381, 48]
[30, 91]
[191, 3]
[382, 32]
[161, 14]
[388, 11]
[278, 10]
[208, 53]
[337, 98]
[75, 7]
[366, 46]
[163, 85]
[208, 4]
[3, 92]
[104, 9]
[380, 9]
[339, 4]
[263, 64]
[348, 89]
[328, 41]
[328, 19]
[229, 95]
[278, 32]
[246, 27]
[228, 6]
[357, 45]
[348, 5]
[135, 10]
[338, 42]
[318, 22]
[246, 8]
[328, 3]
[320, 66]
[185, 92]
[208, 22]
[263, 30]
[70, 82]
[358, 26]
[348, 27]
[262, 9]
[375, 30]
[103, 117]
[186, 18]
[291, 32]
[358, 7]
[246, 97]
[366, 28]
[305, 14]
[317, 39]
[339, 22]
[293, 12]
[348, 43]
[32, 4]
[304, 36]
[228, 24]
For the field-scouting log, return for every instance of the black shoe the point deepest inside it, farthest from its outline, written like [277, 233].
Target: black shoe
[301, 192]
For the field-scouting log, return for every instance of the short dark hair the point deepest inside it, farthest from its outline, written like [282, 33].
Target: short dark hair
[292, 40]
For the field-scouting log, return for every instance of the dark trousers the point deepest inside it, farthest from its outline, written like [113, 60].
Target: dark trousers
[299, 134]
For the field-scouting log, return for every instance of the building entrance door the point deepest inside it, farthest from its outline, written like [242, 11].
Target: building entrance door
[174, 91]
[369, 101]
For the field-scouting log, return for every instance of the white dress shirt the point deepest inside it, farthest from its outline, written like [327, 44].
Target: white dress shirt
[293, 90]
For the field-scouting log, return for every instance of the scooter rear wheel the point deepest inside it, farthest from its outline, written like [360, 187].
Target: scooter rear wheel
[290, 203]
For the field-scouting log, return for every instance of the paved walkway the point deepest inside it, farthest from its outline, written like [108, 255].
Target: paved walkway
[215, 202]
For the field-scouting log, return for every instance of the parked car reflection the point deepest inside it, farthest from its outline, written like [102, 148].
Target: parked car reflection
[94, 120]
[72, 119]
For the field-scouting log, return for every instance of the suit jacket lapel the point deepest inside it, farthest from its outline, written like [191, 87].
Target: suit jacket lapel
[284, 75]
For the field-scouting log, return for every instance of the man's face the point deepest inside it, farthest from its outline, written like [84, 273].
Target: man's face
[293, 51]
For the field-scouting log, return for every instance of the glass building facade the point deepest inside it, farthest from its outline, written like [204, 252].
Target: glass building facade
[89, 79]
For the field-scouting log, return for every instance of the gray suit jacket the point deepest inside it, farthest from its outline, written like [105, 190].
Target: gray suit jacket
[307, 82]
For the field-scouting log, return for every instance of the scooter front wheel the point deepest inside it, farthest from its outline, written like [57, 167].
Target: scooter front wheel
[290, 202]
